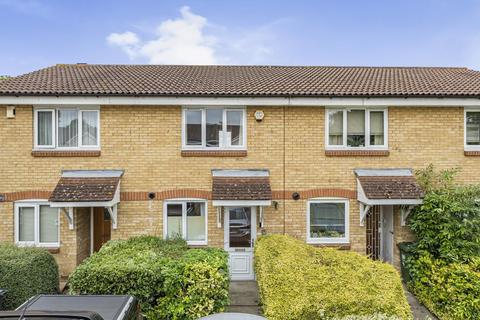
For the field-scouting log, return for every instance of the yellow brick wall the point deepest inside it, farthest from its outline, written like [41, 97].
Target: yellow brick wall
[145, 141]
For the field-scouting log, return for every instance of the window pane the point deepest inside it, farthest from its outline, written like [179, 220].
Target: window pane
[44, 128]
[26, 224]
[174, 220]
[89, 128]
[195, 221]
[48, 224]
[356, 128]
[376, 128]
[234, 128]
[327, 220]
[67, 128]
[193, 127]
[214, 127]
[473, 128]
[335, 128]
[240, 229]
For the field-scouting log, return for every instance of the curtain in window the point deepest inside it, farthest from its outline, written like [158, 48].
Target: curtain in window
[473, 128]
[26, 224]
[174, 220]
[376, 128]
[67, 128]
[89, 128]
[48, 224]
[193, 127]
[44, 128]
[195, 221]
[335, 128]
[234, 128]
[214, 127]
[327, 220]
[356, 128]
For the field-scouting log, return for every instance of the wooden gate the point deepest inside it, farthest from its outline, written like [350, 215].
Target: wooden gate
[373, 221]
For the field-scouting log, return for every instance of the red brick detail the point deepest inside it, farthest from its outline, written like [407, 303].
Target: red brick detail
[65, 154]
[53, 250]
[23, 195]
[357, 153]
[167, 194]
[214, 153]
[472, 153]
[315, 193]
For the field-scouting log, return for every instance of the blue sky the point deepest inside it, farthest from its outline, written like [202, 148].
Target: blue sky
[38, 33]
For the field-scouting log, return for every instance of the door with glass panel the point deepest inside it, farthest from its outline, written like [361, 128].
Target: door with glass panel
[240, 234]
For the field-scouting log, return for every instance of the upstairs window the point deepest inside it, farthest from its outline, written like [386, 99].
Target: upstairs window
[356, 128]
[472, 130]
[36, 224]
[67, 128]
[214, 128]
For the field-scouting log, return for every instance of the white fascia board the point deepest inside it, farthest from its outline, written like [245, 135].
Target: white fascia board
[83, 204]
[392, 202]
[241, 203]
[240, 101]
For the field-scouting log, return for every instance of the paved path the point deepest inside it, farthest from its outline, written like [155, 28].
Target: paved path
[244, 297]
[418, 310]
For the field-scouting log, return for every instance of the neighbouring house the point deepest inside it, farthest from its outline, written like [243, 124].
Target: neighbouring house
[221, 154]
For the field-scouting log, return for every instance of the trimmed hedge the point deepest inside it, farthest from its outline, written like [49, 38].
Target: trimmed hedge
[170, 280]
[25, 272]
[298, 281]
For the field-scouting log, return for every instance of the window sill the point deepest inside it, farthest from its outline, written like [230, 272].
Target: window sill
[65, 153]
[357, 153]
[339, 245]
[53, 250]
[472, 153]
[214, 153]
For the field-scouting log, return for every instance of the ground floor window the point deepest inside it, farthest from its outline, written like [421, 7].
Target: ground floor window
[327, 221]
[36, 224]
[186, 219]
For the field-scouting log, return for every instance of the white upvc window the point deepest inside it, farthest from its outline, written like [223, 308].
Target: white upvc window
[210, 128]
[472, 129]
[187, 219]
[37, 224]
[67, 128]
[328, 221]
[356, 128]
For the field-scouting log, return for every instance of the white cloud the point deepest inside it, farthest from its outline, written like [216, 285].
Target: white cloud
[179, 41]
[192, 39]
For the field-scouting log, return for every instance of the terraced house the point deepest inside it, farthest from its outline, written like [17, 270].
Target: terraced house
[220, 155]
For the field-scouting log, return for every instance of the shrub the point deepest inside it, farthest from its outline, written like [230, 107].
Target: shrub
[298, 281]
[170, 280]
[25, 272]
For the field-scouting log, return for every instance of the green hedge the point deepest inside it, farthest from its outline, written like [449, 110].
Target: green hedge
[25, 272]
[170, 280]
[298, 281]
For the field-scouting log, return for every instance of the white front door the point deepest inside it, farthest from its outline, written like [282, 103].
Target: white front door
[240, 234]
[386, 234]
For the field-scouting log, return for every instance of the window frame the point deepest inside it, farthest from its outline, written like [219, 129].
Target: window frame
[343, 240]
[35, 204]
[55, 110]
[367, 129]
[203, 146]
[467, 147]
[183, 202]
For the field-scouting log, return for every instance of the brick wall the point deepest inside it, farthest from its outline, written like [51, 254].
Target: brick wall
[145, 141]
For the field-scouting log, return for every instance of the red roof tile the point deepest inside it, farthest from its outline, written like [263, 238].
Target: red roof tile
[85, 189]
[241, 188]
[391, 187]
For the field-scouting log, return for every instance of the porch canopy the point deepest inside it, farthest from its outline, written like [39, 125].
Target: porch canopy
[88, 188]
[250, 187]
[387, 187]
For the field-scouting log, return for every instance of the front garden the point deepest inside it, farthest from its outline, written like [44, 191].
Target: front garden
[445, 264]
[301, 282]
[170, 280]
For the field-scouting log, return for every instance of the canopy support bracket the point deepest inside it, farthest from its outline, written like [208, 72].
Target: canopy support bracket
[364, 208]
[69, 215]
[404, 213]
[112, 211]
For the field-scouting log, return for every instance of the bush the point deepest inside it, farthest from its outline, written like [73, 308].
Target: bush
[170, 280]
[298, 281]
[25, 272]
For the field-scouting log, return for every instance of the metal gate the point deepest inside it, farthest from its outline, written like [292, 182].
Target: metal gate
[373, 221]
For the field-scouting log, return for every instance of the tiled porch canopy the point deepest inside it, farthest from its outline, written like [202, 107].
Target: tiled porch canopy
[387, 187]
[241, 188]
[88, 188]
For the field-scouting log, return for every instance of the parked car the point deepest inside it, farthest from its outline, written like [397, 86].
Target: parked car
[85, 307]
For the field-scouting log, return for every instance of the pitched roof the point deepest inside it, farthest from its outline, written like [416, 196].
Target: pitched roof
[391, 187]
[241, 185]
[173, 80]
[85, 189]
